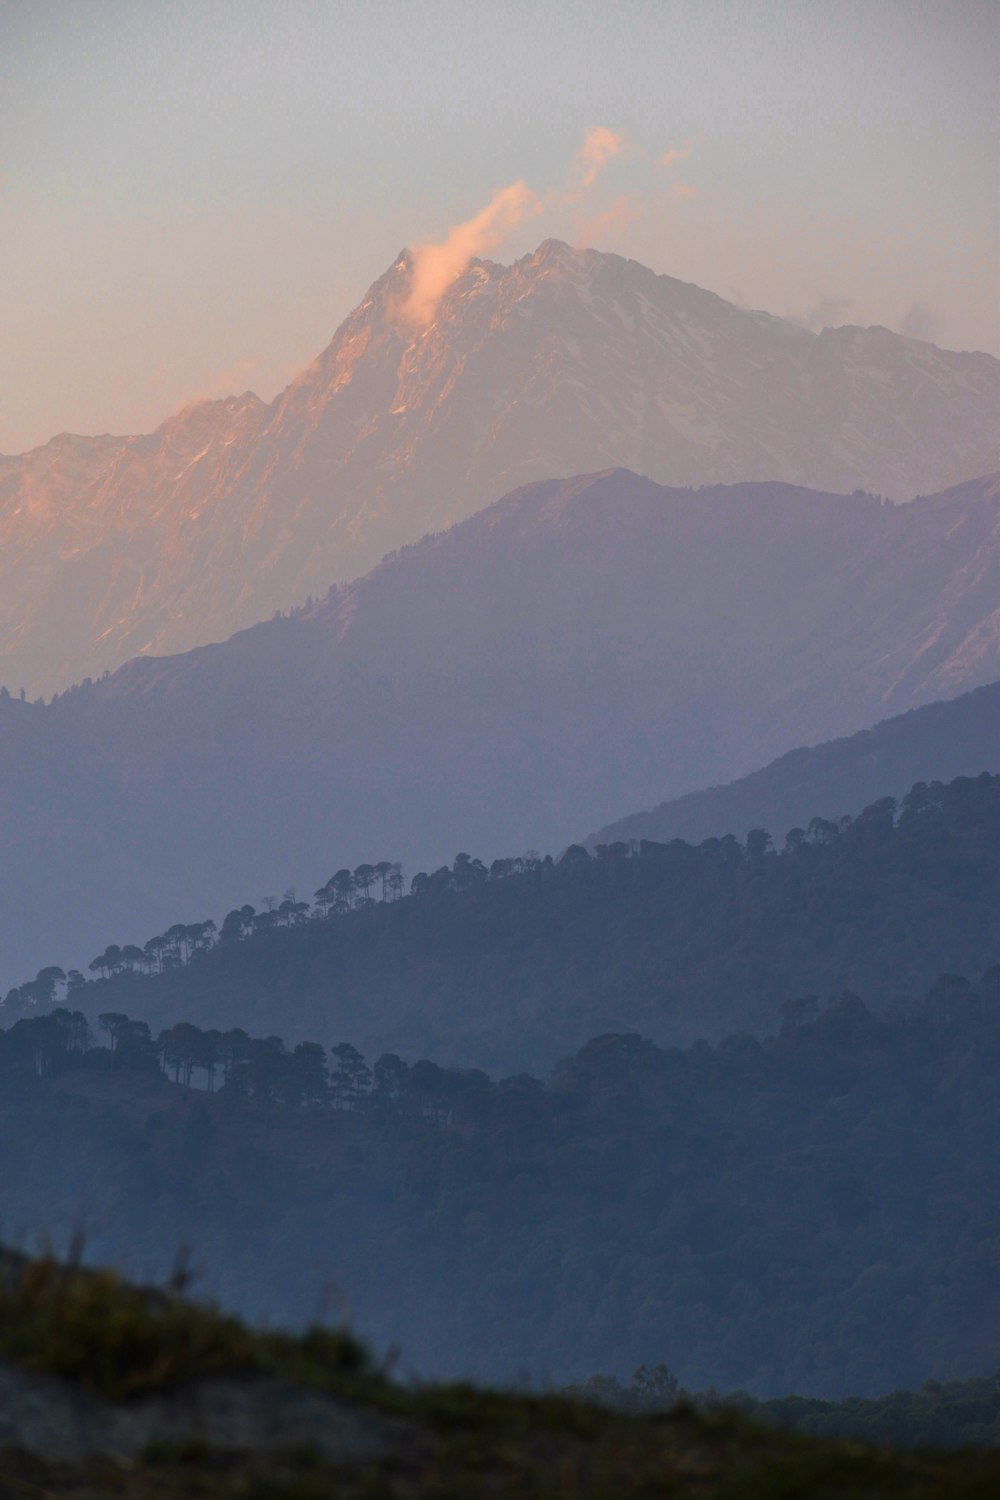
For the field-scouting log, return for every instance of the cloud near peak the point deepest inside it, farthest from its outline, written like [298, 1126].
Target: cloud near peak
[435, 267]
[675, 154]
[600, 145]
[621, 213]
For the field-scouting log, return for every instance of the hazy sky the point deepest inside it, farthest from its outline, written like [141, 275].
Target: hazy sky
[194, 192]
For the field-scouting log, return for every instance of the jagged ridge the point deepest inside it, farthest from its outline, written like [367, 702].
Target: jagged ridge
[564, 362]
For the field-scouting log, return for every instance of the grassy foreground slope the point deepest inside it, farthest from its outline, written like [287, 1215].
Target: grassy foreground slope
[175, 1399]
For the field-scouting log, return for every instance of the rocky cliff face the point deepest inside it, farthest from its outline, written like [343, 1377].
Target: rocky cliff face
[565, 362]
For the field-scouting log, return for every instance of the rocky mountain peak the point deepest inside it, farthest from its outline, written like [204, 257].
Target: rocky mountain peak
[567, 361]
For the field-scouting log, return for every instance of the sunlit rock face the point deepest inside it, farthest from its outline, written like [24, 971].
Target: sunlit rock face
[567, 361]
[580, 649]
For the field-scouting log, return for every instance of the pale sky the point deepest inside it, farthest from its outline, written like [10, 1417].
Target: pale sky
[193, 193]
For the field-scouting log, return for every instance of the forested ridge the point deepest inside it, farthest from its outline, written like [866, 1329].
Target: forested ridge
[807, 1205]
[814, 1212]
[512, 966]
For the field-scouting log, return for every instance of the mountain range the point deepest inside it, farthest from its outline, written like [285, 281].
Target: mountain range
[579, 648]
[565, 362]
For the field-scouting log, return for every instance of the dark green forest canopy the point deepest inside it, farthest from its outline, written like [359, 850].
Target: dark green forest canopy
[815, 1212]
[512, 967]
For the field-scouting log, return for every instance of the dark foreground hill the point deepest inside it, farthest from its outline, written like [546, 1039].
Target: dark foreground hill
[113, 1391]
[581, 648]
[512, 967]
[937, 742]
[816, 1213]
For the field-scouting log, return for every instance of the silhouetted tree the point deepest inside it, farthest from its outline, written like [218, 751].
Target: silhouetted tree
[112, 1022]
[350, 1076]
[307, 1074]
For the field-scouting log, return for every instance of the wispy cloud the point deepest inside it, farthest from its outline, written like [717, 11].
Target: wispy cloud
[624, 210]
[435, 267]
[600, 145]
[232, 381]
[830, 311]
[675, 154]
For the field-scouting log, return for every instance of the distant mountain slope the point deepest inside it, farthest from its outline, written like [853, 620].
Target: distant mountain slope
[567, 361]
[933, 743]
[576, 649]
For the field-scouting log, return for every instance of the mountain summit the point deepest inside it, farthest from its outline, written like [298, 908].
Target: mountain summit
[566, 361]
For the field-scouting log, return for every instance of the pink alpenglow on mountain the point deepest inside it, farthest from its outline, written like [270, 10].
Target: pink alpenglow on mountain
[566, 361]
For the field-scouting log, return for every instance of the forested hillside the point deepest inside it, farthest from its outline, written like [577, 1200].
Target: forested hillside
[511, 967]
[815, 1213]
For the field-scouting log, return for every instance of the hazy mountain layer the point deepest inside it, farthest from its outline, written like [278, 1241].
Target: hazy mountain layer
[579, 648]
[934, 743]
[566, 361]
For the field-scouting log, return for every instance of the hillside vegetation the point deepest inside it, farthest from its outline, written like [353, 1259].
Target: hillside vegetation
[511, 967]
[814, 1213]
[122, 1421]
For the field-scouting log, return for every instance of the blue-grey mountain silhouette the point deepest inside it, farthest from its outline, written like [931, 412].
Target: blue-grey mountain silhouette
[579, 649]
